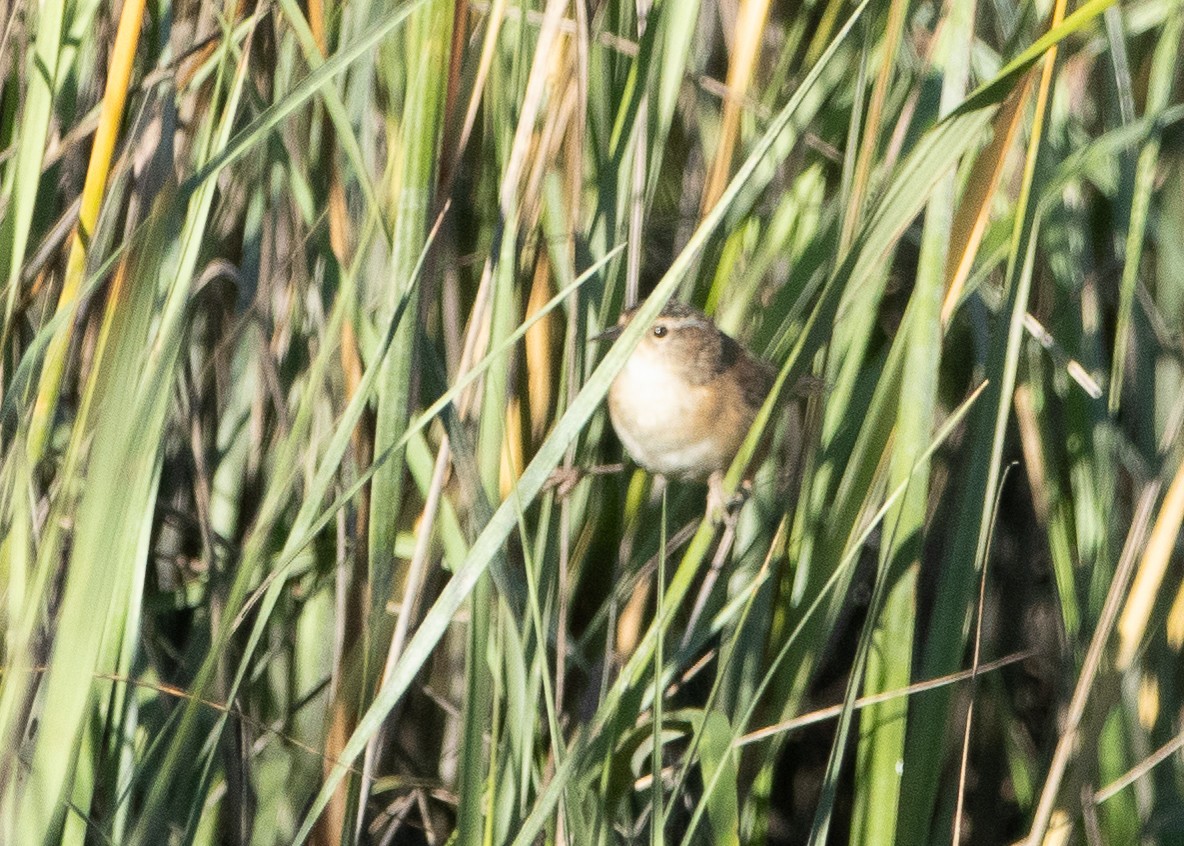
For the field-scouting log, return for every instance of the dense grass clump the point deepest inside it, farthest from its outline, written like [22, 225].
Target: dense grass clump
[306, 533]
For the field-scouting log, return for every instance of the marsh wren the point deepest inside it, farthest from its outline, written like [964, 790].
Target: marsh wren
[686, 397]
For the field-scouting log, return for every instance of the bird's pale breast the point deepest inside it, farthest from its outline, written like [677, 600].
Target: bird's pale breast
[671, 427]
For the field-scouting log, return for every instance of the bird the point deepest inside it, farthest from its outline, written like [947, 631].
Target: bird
[686, 397]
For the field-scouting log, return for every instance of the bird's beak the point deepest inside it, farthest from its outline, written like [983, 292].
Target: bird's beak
[609, 334]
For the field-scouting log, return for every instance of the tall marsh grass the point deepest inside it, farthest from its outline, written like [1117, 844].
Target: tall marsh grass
[306, 529]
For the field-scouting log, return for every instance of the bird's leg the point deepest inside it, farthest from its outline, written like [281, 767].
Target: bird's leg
[564, 479]
[715, 497]
[721, 507]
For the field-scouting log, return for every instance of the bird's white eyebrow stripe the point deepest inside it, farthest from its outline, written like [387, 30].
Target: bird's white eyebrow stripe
[681, 322]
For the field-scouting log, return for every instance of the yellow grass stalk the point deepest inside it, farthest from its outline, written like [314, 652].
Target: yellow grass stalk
[871, 126]
[540, 345]
[750, 28]
[1135, 614]
[110, 116]
[970, 220]
[512, 456]
[1175, 626]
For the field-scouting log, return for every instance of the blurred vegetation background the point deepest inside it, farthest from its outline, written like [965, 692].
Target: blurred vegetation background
[298, 538]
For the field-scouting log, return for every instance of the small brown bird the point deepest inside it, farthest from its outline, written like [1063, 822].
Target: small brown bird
[686, 398]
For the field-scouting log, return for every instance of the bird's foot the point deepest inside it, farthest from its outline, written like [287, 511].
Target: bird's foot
[722, 508]
[563, 479]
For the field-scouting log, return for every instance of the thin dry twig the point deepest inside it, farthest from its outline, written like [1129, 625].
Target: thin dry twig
[833, 711]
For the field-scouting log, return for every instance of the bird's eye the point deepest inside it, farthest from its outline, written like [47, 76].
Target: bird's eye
[659, 331]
